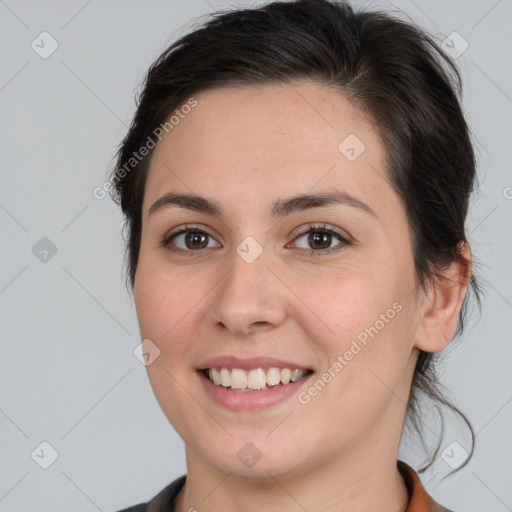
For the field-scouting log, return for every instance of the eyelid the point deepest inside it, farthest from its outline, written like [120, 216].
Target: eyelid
[184, 228]
[344, 240]
[322, 226]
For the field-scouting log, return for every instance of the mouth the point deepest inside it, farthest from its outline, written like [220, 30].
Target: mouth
[251, 383]
[241, 380]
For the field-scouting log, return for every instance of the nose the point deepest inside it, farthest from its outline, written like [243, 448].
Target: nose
[249, 299]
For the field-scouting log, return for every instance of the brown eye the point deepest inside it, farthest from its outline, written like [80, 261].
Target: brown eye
[189, 240]
[196, 240]
[319, 240]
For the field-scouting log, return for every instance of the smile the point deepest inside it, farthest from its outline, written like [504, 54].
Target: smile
[257, 389]
[236, 379]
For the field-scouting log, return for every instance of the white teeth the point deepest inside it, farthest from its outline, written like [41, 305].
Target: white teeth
[225, 377]
[273, 376]
[285, 375]
[238, 379]
[215, 376]
[296, 375]
[256, 379]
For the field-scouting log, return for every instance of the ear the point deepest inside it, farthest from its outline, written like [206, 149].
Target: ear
[442, 304]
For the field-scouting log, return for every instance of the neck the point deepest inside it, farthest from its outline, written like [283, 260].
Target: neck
[362, 475]
[346, 483]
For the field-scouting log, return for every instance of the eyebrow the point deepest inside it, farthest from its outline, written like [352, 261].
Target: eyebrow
[280, 208]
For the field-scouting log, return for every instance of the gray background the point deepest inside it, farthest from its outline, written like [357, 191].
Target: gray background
[68, 374]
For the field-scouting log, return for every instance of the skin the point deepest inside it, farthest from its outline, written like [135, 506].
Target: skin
[245, 148]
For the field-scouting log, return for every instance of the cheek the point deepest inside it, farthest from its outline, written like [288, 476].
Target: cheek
[165, 306]
[359, 325]
[165, 310]
[349, 304]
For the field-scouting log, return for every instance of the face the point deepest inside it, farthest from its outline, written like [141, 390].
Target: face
[326, 285]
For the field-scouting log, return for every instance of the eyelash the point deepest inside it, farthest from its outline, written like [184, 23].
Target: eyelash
[310, 252]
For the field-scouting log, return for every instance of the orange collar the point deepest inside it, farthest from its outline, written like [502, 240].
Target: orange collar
[419, 499]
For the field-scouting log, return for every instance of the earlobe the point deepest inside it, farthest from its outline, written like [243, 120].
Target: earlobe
[443, 303]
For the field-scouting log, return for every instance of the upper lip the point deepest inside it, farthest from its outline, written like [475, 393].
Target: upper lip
[248, 363]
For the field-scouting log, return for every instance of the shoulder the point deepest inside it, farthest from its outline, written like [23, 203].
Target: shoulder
[419, 499]
[141, 507]
[162, 501]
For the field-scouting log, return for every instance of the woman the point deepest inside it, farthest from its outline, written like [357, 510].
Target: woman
[295, 184]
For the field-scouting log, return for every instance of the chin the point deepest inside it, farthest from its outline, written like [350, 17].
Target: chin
[260, 462]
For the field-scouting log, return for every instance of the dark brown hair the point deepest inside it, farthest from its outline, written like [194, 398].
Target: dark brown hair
[389, 68]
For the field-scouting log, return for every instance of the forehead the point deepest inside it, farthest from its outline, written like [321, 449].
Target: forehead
[239, 142]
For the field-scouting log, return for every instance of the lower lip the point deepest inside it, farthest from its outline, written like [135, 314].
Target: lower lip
[251, 400]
